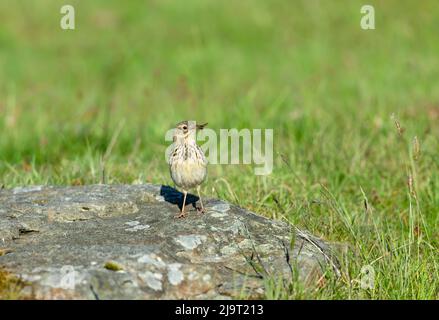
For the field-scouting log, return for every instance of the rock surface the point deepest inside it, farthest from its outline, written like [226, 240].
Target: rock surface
[122, 242]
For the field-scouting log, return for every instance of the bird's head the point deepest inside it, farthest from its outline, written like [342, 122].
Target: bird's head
[185, 131]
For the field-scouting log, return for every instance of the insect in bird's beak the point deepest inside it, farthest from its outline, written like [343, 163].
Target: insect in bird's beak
[201, 126]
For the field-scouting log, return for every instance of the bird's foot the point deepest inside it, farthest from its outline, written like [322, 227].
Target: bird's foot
[201, 210]
[181, 215]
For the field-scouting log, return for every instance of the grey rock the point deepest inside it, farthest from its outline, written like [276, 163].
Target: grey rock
[60, 239]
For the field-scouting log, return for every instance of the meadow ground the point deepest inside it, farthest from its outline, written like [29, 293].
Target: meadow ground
[355, 115]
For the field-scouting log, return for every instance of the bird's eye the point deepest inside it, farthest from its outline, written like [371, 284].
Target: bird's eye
[184, 127]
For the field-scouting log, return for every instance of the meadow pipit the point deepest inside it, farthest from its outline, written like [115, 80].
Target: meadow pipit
[187, 163]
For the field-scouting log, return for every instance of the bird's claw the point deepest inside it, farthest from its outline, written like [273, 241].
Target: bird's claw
[181, 215]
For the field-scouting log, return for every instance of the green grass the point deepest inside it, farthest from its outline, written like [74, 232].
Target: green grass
[129, 72]
[11, 287]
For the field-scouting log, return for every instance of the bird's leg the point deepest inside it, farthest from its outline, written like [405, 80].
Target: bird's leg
[201, 210]
[182, 213]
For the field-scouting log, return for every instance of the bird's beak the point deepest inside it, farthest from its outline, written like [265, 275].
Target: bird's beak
[201, 126]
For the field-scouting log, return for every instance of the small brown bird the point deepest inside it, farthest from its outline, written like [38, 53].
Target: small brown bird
[187, 163]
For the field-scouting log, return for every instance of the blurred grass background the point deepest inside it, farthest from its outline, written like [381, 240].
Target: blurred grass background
[103, 95]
